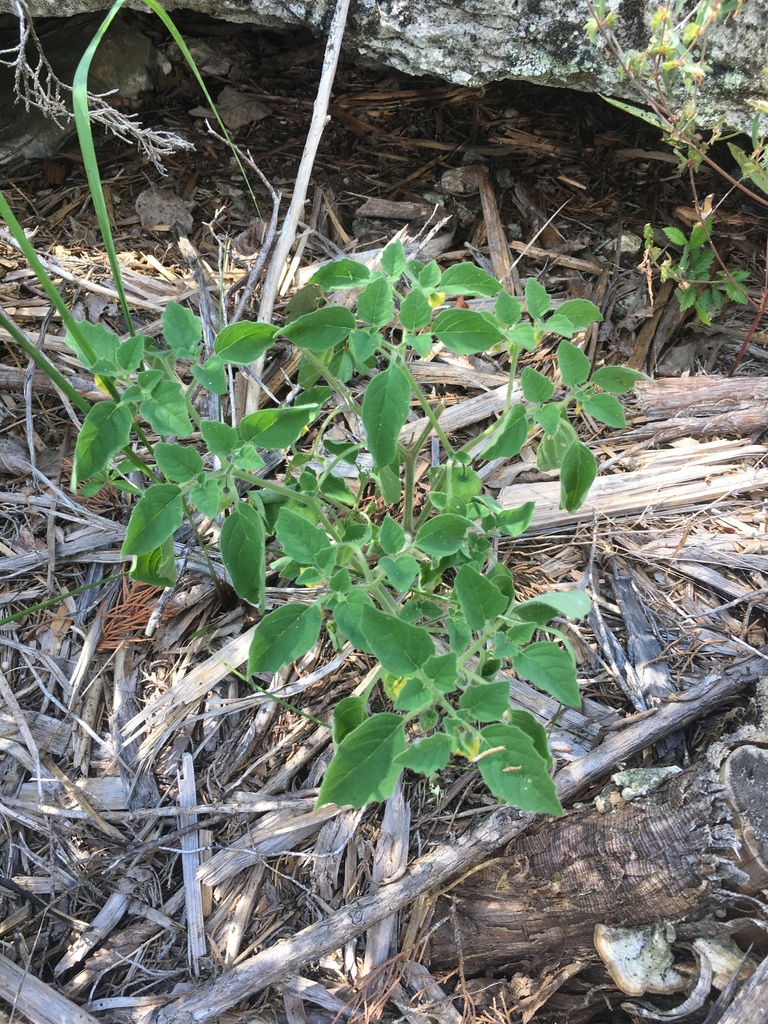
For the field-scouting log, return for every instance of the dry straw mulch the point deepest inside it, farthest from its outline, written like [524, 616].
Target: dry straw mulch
[162, 859]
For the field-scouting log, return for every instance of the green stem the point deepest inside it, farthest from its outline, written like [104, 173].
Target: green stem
[409, 485]
[333, 381]
[433, 420]
[44, 364]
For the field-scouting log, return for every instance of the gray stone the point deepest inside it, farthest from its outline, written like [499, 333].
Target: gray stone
[477, 42]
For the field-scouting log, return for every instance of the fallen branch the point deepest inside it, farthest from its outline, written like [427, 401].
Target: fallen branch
[436, 869]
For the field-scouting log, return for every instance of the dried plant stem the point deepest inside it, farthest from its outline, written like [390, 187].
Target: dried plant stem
[288, 232]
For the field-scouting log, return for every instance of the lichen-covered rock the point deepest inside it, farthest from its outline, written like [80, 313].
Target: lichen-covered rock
[482, 41]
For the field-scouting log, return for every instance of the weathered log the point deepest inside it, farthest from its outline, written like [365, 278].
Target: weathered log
[678, 855]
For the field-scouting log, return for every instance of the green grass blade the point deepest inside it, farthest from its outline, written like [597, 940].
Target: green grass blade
[42, 276]
[85, 137]
[43, 363]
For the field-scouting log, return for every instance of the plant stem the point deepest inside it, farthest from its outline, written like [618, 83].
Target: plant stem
[287, 234]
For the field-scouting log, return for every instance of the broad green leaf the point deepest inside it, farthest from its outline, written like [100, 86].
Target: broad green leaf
[241, 542]
[166, 411]
[343, 273]
[486, 702]
[548, 417]
[459, 633]
[549, 667]
[391, 536]
[375, 305]
[465, 331]
[606, 409]
[388, 480]
[362, 348]
[467, 279]
[552, 449]
[156, 516]
[340, 582]
[574, 365]
[178, 462]
[516, 774]
[299, 538]
[401, 648]
[480, 599]
[208, 497]
[211, 375]
[131, 352]
[537, 301]
[275, 428]
[536, 387]
[386, 403]
[99, 349]
[427, 755]
[323, 329]
[363, 767]
[511, 434]
[105, 430]
[507, 309]
[580, 312]
[515, 521]
[306, 299]
[284, 635]
[347, 715]
[393, 259]
[411, 694]
[503, 578]
[524, 720]
[336, 489]
[415, 310]
[523, 335]
[429, 276]
[157, 567]
[442, 671]
[413, 268]
[348, 615]
[244, 342]
[182, 330]
[618, 380]
[148, 380]
[400, 571]
[560, 325]
[458, 480]
[577, 474]
[443, 535]
[220, 439]
[574, 604]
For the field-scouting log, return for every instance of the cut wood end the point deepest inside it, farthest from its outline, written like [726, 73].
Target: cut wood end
[745, 775]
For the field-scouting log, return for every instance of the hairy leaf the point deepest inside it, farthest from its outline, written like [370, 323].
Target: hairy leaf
[242, 550]
[363, 767]
[282, 636]
[156, 516]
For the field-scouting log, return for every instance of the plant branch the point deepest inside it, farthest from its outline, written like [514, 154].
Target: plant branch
[287, 234]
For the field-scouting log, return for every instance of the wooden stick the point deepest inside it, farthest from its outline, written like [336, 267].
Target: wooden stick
[437, 868]
[40, 1003]
[288, 232]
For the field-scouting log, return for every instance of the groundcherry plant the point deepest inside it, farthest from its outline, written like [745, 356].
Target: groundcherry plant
[418, 587]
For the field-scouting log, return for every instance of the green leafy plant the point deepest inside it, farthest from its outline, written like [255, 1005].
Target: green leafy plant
[416, 584]
[697, 285]
[669, 77]
[417, 588]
